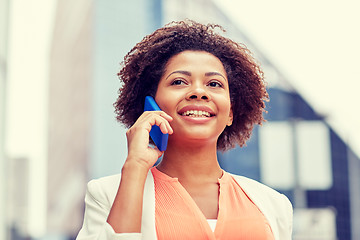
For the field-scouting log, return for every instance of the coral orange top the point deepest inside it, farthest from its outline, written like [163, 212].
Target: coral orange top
[178, 217]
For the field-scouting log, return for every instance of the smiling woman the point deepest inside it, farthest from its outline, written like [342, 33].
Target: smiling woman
[211, 93]
[194, 82]
[144, 66]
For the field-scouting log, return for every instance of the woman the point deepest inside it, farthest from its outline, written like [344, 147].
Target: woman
[211, 92]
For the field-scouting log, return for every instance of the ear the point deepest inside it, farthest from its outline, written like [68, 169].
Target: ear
[231, 117]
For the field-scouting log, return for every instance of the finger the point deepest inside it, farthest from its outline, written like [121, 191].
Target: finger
[166, 128]
[166, 116]
[160, 153]
[164, 125]
[160, 113]
[158, 118]
[168, 119]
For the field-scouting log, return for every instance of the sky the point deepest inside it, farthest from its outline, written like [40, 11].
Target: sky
[316, 45]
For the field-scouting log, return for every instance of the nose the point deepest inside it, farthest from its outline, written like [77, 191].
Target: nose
[198, 93]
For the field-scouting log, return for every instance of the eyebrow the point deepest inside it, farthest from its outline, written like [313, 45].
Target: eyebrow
[208, 74]
[187, 73]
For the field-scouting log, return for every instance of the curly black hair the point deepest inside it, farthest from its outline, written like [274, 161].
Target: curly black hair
[144, 65]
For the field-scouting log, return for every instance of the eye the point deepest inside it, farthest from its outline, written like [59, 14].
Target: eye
[178, 82]
[215, 84]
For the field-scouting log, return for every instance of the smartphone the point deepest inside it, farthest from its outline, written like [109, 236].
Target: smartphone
[160, 139]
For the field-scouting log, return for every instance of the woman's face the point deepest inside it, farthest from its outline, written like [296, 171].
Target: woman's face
[194, 90]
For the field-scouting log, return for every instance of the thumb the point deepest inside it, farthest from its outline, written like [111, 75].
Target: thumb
[159, 153]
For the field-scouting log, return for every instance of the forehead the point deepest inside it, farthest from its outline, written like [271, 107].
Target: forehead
[194, 60]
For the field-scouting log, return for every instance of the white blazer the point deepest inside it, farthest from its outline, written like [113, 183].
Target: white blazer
[101, 193]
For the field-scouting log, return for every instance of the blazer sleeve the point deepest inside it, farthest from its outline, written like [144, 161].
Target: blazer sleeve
[98, 201]
[287, 222]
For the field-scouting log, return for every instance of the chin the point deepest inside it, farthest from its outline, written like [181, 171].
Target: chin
[196, 138]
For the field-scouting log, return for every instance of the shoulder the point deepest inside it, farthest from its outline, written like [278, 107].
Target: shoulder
[106, 181]
[254, 185]
[275, 206]
[103, 190]
[265, 196]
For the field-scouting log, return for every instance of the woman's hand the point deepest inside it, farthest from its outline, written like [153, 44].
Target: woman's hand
[126, 212]
[139, 151]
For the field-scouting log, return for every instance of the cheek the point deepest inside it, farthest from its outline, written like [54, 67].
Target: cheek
[225, 103]
[160, 96]
[164, 102]
[160, 102]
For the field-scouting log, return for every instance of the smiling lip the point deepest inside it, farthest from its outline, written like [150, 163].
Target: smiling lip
[197, 114]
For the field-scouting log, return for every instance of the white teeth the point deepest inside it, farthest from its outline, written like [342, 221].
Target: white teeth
[196, 113]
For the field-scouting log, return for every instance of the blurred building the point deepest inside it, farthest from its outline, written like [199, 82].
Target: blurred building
[295, 152]
[69, 117]
[4, 23]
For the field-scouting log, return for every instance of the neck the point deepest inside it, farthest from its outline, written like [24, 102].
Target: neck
[191, 162]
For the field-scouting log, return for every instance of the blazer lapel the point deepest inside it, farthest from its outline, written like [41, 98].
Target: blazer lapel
[251, 188]
[148, 215]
